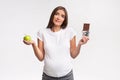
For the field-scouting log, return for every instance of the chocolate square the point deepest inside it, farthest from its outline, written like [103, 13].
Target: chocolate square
[86, 27]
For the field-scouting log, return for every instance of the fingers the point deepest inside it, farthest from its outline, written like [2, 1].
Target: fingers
[27, 42]
[84, 40]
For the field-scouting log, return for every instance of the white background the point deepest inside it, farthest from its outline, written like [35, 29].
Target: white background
[99, 58]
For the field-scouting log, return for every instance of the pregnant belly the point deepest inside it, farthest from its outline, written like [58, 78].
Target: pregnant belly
[57, 68]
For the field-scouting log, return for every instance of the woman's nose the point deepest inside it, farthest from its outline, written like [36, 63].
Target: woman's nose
[58, 17]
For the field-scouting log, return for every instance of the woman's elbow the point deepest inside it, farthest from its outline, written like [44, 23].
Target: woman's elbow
[73, 56]
[40, 60]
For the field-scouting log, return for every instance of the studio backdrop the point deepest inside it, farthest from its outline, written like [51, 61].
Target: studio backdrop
[99, 59]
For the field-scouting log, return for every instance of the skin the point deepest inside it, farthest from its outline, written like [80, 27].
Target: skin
[57, 20]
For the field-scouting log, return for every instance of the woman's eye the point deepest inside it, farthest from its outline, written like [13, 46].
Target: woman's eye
[63, 16]
[56, 13]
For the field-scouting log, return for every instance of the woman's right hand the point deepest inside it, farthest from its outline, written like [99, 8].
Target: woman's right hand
[28, 42]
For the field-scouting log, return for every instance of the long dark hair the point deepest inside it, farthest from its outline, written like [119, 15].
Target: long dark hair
[64, 25]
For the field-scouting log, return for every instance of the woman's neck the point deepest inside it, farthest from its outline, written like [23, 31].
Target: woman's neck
[56, 28]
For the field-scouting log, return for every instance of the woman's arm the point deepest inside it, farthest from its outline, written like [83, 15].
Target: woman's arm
[38, 49]
[75, 50]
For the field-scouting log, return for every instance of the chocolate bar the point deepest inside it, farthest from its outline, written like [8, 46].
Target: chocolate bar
[86, 29]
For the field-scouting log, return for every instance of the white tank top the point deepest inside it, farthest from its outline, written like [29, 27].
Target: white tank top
[57, 61]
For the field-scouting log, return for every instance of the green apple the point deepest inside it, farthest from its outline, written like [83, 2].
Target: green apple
[27, 37]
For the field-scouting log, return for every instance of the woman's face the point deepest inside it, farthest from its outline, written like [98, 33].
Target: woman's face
[59, 18]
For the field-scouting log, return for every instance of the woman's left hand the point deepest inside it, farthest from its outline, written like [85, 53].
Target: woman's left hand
[84, 40]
